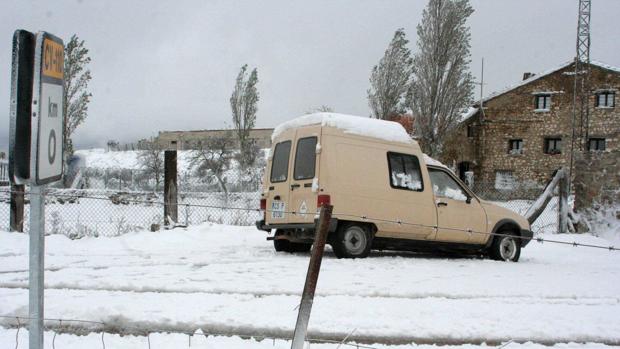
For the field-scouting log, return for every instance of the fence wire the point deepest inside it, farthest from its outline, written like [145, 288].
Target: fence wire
[146, 332]
[256, 212]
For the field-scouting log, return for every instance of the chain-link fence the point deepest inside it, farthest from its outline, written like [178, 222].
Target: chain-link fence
[113, 201]
[518, 197]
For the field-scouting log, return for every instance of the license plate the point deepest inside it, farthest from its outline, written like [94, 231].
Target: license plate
[277, 209]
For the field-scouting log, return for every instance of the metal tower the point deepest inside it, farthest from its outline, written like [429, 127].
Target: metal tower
[581, 87]
[582, 73]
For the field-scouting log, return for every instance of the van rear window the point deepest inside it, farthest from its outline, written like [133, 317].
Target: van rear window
[404, 172]
[279, 164]
[305, 158]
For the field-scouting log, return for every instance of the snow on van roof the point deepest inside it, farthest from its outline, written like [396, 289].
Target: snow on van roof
[358, 125]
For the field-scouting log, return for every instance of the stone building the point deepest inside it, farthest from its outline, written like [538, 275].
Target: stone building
[524, 133]
[182, 140]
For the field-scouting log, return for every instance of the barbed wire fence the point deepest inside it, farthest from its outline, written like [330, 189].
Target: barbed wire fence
[56, 326]
[257, 212]
[115, 201]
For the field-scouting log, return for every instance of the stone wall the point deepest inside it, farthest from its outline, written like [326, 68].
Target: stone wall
[597, 179]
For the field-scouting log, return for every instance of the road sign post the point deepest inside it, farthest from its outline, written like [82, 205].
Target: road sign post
[37, 138]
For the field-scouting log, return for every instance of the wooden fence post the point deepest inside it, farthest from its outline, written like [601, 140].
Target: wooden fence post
[171, 211]
[314, 267]
[17, 208]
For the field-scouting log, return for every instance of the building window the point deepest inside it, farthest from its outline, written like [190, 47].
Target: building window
[553, 145]
[470, 131]
[605, 99]
[404, 172]
[504, 180]
[515, 146]
[596, 144]
[543, 102]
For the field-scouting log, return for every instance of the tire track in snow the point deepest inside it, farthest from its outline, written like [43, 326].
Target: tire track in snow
[530, 299]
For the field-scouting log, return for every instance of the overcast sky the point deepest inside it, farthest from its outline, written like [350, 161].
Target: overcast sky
[171, 65]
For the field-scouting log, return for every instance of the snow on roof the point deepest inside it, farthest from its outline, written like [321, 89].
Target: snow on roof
[357, 125]
[468, 113]
[545, 73]
[432, 162]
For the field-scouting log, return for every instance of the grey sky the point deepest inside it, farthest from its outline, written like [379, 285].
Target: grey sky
[171, 65]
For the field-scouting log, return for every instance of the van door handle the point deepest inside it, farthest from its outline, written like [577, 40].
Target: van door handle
[441, 203]
[296, 185]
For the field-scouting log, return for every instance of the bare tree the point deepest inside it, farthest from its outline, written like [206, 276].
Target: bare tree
[76, 95]
[389, 79]
[321, 109]
[243, 103]
[442, 83]
[151, 159]
[113, 145]
[212, 158]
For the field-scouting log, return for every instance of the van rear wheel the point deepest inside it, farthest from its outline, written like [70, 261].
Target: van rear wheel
[281, 245]
[352, 241]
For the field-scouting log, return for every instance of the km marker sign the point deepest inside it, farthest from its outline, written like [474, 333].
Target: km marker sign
[36, 145]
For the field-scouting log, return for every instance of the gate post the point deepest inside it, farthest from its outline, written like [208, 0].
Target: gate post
[170, 188]
[17, 207]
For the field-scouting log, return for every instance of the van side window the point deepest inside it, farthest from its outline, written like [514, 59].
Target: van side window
[305, 158]
[404, 172]
[445, 186]
[279, 164]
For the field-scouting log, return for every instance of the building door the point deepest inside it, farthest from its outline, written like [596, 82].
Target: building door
[463, 167]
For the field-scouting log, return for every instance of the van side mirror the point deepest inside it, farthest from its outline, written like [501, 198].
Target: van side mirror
[468, 199]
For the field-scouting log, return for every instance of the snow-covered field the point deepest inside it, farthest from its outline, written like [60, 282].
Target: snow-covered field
[227, 280]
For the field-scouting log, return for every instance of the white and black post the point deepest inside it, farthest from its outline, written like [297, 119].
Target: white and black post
[36, 146]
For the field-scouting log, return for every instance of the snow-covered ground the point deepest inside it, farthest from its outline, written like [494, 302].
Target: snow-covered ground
[228, 280]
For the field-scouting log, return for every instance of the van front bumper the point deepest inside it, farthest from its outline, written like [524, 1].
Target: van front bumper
[261, 225]
[526, 237]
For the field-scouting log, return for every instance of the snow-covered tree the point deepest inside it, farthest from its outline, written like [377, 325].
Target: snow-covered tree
[442, 83]
[76, 96]
[151, 160]
[244, 104]
[212, 158]
[389, 79]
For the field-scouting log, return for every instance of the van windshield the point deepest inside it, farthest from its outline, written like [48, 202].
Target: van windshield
[279, 165]
[305, 158]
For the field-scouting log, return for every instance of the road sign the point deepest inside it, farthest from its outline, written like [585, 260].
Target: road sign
[47, 137]
[21, 100]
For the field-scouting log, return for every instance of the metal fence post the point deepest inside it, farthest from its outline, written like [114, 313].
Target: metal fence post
[314, 267]
[563, 203]
[36, 276]
[171, 210]
[17, 208]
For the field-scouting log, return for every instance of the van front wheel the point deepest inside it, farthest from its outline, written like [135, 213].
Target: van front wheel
[505, 247]
[352, 241]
